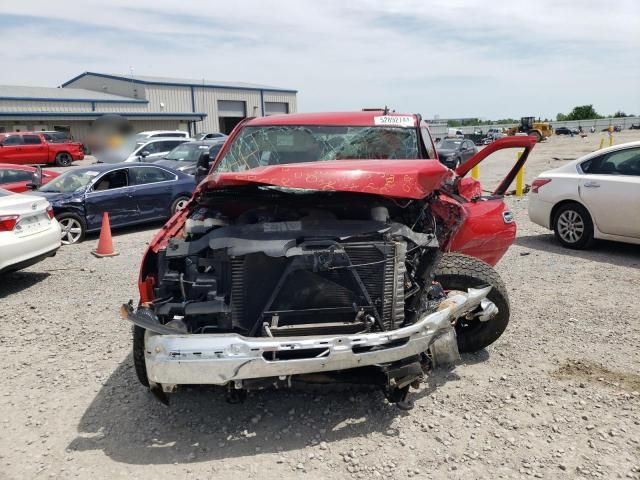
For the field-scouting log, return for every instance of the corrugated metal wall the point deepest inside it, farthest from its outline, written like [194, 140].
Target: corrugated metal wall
[175, 99]
[107, 85]
[289, 98]
[121, 107]
[37, 106]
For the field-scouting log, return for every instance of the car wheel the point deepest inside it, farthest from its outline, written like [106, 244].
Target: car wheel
[63, 159]
[73, 228]
[461, 272]
[178, 204]
[573, 227]
[138, 355]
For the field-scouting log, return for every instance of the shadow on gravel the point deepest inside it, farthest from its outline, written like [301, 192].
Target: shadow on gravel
[18, 281]
[130, 426]
[152, 227]
[614, 253]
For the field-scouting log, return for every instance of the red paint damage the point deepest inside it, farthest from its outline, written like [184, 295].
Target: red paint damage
[414, 179]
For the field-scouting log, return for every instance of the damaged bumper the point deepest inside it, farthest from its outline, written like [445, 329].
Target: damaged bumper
[179, 359]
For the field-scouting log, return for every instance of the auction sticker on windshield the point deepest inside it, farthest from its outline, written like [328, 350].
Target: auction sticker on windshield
[395, 120]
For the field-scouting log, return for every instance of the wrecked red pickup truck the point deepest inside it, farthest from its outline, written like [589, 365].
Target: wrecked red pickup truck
[323, 248]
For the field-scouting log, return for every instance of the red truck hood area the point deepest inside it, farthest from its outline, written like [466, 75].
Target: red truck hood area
[392, 178]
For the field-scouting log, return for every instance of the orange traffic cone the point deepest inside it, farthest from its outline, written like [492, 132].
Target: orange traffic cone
[105, 245]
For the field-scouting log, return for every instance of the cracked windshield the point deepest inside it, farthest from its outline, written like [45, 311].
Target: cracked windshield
[263, 146]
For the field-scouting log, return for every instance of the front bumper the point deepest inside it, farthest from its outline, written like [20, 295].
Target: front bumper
[179, 359]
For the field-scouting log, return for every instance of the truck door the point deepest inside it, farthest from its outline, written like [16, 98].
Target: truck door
[12, 149]
[34, 149]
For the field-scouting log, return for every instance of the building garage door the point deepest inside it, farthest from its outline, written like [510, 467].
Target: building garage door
[230, 113]
[274, 108]
[229, 108]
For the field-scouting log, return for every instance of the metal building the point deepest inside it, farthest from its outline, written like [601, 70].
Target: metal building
[149, 103]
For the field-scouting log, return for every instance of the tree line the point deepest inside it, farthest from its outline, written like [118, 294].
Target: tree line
[581, 112]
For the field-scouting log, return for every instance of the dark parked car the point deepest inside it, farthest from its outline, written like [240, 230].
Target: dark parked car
[566, 131]
[131, 193]
[454, 151]
[53, 136]
[184, 158]
[209, 136]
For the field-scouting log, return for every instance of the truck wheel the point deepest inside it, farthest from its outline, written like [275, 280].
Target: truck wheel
[73, 228]
[138, 355]
[535, 133]
[63, 159]
[573, 226]
[460, 272]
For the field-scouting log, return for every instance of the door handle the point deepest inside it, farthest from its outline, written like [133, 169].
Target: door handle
[592, 185]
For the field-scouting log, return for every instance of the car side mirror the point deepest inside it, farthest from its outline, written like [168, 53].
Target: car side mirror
[37, 178]
[144, 153]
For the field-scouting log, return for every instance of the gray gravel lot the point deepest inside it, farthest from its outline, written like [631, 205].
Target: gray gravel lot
[556, 397]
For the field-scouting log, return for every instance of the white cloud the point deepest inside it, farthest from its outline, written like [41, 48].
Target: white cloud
[452, 58]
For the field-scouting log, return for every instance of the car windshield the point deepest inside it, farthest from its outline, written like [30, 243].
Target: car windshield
[187, 152]
[452, 144]
[278, 145]
[70, 181]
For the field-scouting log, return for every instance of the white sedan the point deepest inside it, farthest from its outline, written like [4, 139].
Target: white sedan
[596, 196]
[28, 231]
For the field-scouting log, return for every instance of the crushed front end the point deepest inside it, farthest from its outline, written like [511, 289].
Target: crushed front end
[265, 286]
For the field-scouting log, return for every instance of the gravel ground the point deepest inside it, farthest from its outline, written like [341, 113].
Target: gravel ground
[555, 397]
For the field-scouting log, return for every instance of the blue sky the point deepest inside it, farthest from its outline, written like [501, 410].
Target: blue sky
[455, 58]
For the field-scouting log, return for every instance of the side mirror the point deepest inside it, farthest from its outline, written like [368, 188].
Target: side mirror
[37, 178]
[144, 153]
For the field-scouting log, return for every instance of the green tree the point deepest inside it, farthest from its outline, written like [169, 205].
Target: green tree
[620, 114]
[583, 112]
[561, 117]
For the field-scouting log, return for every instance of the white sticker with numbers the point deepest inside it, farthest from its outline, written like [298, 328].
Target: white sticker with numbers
[395, 120]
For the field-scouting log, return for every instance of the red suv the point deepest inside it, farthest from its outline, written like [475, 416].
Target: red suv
[33, 148]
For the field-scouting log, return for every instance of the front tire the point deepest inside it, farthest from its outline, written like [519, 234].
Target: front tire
[461, 272]
[573, 227]
[138, 355]
[63, 159]
[73, 228]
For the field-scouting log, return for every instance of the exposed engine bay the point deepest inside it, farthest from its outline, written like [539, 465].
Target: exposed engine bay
[351, 272]
[271, 262]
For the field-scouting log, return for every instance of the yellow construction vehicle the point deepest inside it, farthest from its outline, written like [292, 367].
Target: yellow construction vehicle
[528, 125]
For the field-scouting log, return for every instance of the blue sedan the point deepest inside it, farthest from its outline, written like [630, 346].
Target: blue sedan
[131, 193]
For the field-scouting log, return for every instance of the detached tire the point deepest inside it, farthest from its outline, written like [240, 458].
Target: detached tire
[138, 355]
[460, 272]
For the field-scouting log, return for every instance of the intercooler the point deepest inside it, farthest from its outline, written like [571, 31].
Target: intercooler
[328, 294]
